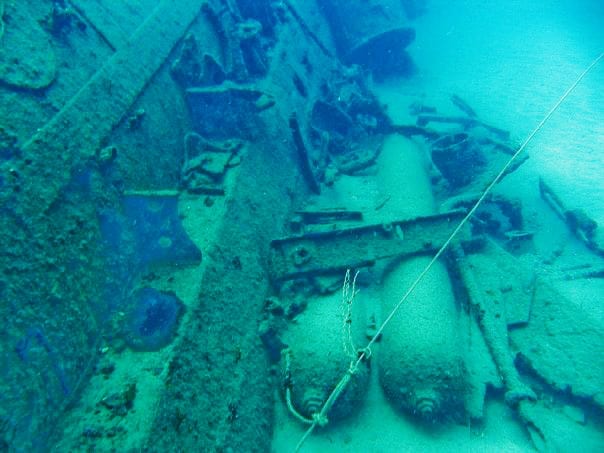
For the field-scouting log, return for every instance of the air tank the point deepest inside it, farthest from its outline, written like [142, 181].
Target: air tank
[420, 363]
[321, 345]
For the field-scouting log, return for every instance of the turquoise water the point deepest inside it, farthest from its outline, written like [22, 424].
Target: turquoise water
[513, 60]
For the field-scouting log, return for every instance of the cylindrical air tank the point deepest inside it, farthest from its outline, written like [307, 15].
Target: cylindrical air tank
[420, 363]
[321, 345]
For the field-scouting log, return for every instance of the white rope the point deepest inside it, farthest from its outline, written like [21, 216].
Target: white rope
[340, 388]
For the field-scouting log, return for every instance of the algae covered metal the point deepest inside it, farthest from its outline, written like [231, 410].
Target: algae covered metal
[212, 213]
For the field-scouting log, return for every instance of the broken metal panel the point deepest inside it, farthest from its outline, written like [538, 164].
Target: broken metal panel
[578, 221]
[572, 358]
[514, 292]
[490, 315]
[340, 249]
[544, 327]
[480, 367]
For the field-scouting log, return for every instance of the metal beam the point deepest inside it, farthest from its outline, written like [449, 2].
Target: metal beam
[336, 250]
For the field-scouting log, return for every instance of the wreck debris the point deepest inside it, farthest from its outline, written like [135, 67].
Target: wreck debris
[426, 115]
[454, 152]
[464, 159]
[463, 106]
[338, 249]
[492, 320]
[240, 40]
[532, 308]
[228, 110]
[224, 22]
[468, 163]
[206, 164]
[346, 127]
[560, 321]
[494, 323]
[193, 68]
[500, 217]
[411, 130]
[359, 159]
[106, 155]
[577, 220]
[465, 122]
[309, 165]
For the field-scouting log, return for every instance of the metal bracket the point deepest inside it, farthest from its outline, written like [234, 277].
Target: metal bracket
[335, 251]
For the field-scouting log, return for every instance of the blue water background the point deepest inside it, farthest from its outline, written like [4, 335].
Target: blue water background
[512, 60]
